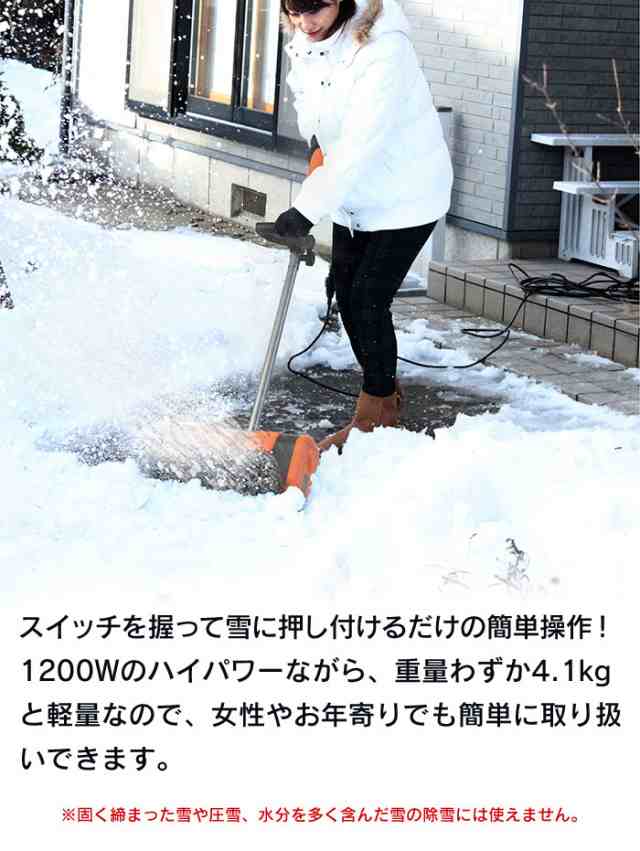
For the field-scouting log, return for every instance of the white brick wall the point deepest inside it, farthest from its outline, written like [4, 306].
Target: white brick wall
[467, 50]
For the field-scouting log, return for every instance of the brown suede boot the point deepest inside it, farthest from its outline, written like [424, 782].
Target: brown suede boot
[371, 411]
[391, 411]
[392, 408]
[400, 395]
[338, 439]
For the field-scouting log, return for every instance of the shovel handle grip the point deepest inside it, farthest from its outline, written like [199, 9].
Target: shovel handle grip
[297, 244]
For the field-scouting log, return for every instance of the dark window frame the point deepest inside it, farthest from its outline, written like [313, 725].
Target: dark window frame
[234, 113]
[234, 122]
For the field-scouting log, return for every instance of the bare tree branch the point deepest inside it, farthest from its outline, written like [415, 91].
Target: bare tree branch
[624, 221]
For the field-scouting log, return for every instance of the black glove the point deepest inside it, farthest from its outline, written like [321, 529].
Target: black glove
[292, 223]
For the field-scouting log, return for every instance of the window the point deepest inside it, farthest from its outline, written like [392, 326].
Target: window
[234, 61]
[214, 66]
[150, 53]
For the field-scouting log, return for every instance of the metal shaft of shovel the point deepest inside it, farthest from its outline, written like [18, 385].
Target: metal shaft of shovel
[274, 342]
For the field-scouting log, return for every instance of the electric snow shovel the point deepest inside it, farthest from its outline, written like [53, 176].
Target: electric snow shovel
[296, 456]
[226, 458]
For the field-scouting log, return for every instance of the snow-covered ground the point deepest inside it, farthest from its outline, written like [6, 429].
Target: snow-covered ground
[117, 327]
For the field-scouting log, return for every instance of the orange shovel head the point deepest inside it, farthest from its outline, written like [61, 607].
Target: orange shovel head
[297, 456]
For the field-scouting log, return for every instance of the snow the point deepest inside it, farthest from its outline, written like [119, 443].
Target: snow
[39, 95]
[592, 360]
[114, 328]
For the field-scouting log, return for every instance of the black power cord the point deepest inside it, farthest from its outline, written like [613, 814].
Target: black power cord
[554, 284]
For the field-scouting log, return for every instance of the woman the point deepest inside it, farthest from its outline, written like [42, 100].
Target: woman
[384, 175]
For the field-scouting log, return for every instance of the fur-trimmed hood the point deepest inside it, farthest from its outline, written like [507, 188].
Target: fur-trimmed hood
[368, 14]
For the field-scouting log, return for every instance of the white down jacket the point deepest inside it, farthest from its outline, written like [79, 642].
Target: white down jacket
[362, 93]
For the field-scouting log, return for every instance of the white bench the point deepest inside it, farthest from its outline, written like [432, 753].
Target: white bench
[604, 187]
[588, 212]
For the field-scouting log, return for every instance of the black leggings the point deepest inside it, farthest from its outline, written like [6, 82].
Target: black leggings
[367, 270]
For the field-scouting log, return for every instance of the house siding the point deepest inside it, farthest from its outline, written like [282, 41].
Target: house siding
[576, 41]
[468, 52]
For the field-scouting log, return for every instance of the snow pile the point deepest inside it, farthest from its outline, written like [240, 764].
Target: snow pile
[114, 320]
[123, 328]
[39, 96]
